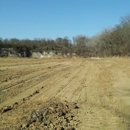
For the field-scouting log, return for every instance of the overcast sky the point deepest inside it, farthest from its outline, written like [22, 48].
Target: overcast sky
[59, 18]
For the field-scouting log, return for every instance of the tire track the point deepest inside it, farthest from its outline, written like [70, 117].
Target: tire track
[68, 82]
[52, 84]
[37, 79]
[39, 84]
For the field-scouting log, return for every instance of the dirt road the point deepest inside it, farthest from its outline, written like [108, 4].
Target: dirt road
[99, 87]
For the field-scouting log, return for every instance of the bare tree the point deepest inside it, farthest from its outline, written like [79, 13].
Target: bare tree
[81, 42]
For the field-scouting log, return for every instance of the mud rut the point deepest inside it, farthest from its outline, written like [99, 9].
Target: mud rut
[100, 88]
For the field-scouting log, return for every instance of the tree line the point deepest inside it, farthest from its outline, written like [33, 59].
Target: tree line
[62, 45]
[113, 42]
[110, 42]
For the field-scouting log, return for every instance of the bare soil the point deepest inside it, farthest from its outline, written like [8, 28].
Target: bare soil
[65, 94]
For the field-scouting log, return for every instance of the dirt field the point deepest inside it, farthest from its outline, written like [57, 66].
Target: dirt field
[81, 94]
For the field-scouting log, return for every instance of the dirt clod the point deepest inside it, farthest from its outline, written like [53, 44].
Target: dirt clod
[54, 114]
[5, 109]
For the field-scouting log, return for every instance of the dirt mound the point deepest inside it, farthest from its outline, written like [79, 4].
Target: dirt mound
[54, 115]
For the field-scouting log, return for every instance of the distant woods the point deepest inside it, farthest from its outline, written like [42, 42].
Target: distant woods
[113, 42]
[110, 42]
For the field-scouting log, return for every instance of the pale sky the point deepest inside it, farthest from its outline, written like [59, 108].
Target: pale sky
[59, 18]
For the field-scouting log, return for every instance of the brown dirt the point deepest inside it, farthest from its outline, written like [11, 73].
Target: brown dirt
[99, 87]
